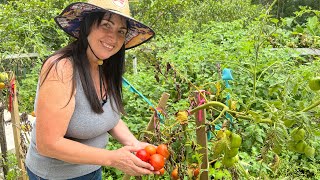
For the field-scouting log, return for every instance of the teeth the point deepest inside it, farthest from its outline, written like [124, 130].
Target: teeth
[107, 45]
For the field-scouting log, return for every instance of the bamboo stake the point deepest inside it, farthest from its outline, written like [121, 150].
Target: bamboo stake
[162, 104]
[16, 132]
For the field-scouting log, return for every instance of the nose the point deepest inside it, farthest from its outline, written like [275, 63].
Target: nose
[112, 36]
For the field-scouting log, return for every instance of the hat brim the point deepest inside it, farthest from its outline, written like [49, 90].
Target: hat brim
[70, 18]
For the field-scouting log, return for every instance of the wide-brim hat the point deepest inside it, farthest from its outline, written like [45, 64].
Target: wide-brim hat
[70, 18]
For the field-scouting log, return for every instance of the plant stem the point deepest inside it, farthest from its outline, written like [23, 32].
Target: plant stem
[184, 128]
[207, 105]
[311, 106]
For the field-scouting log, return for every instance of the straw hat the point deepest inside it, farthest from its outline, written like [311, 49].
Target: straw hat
[70, 18]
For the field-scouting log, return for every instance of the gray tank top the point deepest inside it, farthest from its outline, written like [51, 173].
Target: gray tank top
[85, 127]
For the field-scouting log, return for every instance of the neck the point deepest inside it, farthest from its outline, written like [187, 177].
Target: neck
[93, 58]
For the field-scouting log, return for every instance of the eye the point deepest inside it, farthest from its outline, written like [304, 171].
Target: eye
[123, 32]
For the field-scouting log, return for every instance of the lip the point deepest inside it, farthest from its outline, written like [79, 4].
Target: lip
[107, 45]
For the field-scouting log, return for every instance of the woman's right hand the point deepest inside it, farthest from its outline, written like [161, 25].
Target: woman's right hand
[125, 160]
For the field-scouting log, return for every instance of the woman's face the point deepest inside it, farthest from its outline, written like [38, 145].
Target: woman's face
[108, 37]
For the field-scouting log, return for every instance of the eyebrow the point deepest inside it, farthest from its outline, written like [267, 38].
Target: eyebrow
[122, 27]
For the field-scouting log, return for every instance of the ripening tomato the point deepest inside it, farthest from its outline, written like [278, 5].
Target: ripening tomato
[175, 174]
[151, 150]
[162, 171]
[157, 161]
[163, 150]
[143, 155]
[196, 172]
[2, 85]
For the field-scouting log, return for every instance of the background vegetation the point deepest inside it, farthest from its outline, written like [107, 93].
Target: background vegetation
[195, 41]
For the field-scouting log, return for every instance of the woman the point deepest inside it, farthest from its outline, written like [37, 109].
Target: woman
[79, 99]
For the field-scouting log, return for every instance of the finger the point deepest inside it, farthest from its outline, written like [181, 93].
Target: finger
[132, 148]
[142, 171]
[142, 164]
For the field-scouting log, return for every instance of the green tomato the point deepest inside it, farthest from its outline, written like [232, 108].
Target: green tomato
[228, 133]
[3, 76]
[219, 146]
[309, 151]
[232, 152]
[235, 140]
[228, 162]
[298, 135]
[301, 146]
[314, 84]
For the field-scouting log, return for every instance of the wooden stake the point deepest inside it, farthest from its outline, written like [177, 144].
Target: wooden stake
[202, 136]
[3, 141]
[162, 105]
[15, 118]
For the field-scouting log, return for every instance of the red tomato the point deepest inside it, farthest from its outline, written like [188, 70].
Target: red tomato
[157, 161]
[162, 171]
[163, 150]
[196, 172]
[175, 174]
[151, 149]
[143, 155]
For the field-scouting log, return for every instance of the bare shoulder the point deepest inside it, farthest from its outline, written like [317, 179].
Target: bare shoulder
[57, 84]
[54, 69]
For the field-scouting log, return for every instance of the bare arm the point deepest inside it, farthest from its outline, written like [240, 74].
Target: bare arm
[121, 133]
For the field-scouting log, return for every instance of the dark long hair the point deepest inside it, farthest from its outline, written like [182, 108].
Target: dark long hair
[112, 68]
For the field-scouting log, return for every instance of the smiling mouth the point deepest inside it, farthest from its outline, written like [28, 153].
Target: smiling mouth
[109, 47]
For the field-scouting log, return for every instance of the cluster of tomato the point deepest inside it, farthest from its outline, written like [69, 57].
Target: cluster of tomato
[228, 144]
[299, 144]
[156, 156]
[193, 171]
[3, 79]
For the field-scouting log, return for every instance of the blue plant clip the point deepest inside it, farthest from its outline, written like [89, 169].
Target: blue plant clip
[126, 83]
[226, 76]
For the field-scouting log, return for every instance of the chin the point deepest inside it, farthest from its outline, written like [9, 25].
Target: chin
[106, 56]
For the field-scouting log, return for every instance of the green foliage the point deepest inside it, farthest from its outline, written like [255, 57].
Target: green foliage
[14, 171]
[169, 17]
[28, 92]
[26, 31]
[287, 8]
